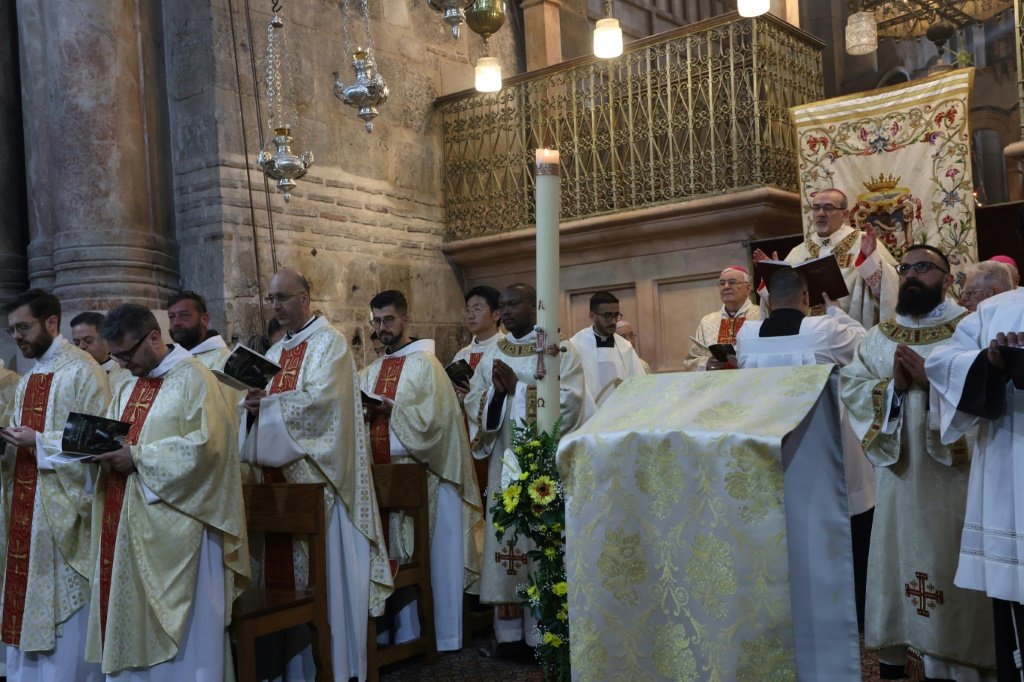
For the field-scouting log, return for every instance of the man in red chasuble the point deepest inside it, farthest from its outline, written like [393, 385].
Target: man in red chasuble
[421, 421]
[169, 546]
[722, 325]
[48, 505]
[307, 427]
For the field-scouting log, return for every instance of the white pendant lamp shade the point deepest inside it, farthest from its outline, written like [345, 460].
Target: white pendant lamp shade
[861, 33]
[488, 74]
[753, 8]
[607, 38]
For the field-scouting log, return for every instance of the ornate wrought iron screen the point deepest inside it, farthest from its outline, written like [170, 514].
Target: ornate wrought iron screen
[697, 111]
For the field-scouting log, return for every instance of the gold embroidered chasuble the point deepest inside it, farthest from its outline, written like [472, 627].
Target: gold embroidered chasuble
[324, 417]
[504, 564]
[427, 420]
[873, 285]
[921, 501]
[718, 327]
[8, 389]
[186, 456]
[58, 567]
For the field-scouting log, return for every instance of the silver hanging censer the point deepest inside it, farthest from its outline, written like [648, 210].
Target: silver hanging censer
[454, 12]
[283, 165]
[276, 159]
[367, 91]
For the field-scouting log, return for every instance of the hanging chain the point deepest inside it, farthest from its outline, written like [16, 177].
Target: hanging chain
[345, 25]
[282, 111]
[366, 21]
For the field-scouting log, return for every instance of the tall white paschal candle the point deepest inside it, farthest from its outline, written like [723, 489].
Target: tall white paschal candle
[548, 202]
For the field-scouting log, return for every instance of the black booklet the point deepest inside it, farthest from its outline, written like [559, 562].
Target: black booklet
[371, 399]
[245, 369]
[1013, 358]
[86, 435]
[822, 275]
[459, 372]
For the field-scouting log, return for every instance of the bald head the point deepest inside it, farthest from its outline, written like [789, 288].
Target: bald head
[518, 305]
[289, 299]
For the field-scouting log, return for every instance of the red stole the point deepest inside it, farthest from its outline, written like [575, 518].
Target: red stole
[134, 413]
[474, 359]
[380, 431]
[33, 415]
[279, 571]
[728, 329]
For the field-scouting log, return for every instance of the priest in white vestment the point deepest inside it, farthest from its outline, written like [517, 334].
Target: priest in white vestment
[169, 549]
[483, 319]
[624, 328]
[790, 336]
[867, 266]
[503, 392]
[608, 359]
[86, 335]
[47, 506]
[722, 325]
[984, 280]
[308, 428]
[420, 420]
[922, 486]
[973, 387]
[189, 321]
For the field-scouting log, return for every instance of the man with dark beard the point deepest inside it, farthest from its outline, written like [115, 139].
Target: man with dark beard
[922, 487]
[189, 321]
[46, 517]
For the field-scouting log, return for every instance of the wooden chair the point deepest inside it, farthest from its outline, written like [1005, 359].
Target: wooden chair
[403, 487]
[296, 509]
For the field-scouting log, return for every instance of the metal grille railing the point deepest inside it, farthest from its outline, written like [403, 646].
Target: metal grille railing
[697, 111]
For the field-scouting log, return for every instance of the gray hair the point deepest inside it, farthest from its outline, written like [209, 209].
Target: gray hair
[990, 274]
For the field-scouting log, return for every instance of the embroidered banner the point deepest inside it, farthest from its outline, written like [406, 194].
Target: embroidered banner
[902, 157]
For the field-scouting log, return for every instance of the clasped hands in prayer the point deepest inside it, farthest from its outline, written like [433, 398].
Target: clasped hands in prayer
[908, 369]
[19, 436]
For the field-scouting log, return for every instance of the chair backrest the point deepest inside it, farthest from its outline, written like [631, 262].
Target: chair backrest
[400, 486]
[293, 508]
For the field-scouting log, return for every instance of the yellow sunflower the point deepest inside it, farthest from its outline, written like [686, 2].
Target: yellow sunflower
[542, 490]
[511, 498]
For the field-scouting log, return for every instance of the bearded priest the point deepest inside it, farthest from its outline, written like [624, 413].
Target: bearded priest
[47, 506]
[420, 420]
[169, 544]
[308, 428]
[503, 393]
[922, 486]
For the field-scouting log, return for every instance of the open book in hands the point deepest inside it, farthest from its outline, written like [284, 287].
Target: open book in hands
[86, 435]
[822, 275]
[245, 369]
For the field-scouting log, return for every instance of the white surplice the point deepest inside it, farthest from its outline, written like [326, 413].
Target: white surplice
[830, 339]
[992, 544]
[605, 368]
[710, 331]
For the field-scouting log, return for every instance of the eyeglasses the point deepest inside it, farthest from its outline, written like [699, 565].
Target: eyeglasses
[920, 267]
[126, 355]
[22, 328]
[378, 322]
[475, 309]
[976, 292]
[282, 298]
[730, 282]
[609, 317]
[824, 208]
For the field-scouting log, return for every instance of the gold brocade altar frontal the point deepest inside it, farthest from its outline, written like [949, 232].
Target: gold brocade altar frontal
[677, 530]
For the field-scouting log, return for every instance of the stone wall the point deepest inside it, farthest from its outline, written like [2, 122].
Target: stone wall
[368, 216]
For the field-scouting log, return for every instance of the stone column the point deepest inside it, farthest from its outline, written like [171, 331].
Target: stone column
[542, 27]
[95, 132]
[13, 233]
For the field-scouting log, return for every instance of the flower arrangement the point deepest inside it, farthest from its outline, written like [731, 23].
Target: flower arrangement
[532, 505]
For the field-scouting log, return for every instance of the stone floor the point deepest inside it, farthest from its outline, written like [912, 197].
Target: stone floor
[478, 663]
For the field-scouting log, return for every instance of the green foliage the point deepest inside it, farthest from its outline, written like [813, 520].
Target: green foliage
[533, 506]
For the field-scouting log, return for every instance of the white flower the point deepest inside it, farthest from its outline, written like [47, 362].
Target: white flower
[510, 470]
